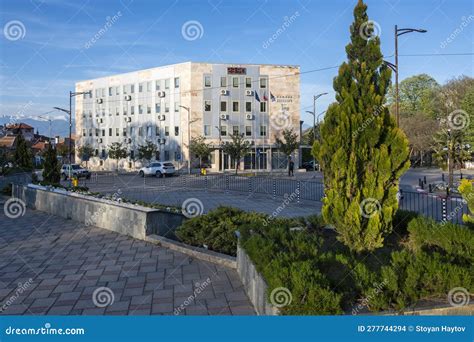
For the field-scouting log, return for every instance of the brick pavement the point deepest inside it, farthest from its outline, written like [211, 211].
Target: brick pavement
[53, 266]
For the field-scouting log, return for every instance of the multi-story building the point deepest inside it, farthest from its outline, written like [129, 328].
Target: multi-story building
[170, 105]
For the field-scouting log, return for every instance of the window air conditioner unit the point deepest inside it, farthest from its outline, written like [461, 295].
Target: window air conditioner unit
[128, 97]
[161, 93]
[249, 116]
[127, 140]
[224, 92]
[99, 140]
[162, 141]
[128, 119]
[99, 101]
[162, 117]
[224, 116]
[99, 120]
[249, 92]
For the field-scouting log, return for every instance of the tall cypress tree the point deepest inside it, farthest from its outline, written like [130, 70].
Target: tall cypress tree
[362, 152]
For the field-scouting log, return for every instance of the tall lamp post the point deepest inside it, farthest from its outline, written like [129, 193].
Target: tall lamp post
[71, 95]
[315, 97]
[189, 137]
[316, 121]
[399, 32]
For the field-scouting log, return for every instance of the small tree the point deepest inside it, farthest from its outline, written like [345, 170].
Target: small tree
[362, 152]
[22, 156]
[289, 144]
[117, 151]
[85, 152]
[199, 148]
[51, 170]
[147, 151]
[237, 148]
[467, 191]
[63, 151]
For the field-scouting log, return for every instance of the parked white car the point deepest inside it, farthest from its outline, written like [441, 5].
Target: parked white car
[75, 170]
[158, 169]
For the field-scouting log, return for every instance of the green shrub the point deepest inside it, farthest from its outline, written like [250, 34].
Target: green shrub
[401, 220]
[216, 230]
[455, 241]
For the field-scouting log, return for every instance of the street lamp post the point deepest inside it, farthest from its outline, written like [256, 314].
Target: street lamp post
[315, 97]
[189, 138]
[399, 32]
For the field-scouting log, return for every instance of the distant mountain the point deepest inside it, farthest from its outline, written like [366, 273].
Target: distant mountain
[58, 126]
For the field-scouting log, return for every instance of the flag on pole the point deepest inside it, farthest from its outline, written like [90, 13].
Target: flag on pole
[265, 98]
[256, 96]
[272, 97]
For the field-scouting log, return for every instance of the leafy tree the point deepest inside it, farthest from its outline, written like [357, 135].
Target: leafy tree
[467, 105]
[63, 151]
[22, 156]
[51, 170]
[415, 94]
[419, 130]
[237, 148]
[147, 151]
[362, 152]
[200, 148]
[289, 143]
[85, 152]
[451, 150]
[117, 151]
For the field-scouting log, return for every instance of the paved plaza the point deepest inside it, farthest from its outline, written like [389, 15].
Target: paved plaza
[53, 266]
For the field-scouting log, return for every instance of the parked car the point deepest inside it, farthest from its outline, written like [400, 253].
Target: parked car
[309, 166]
[158, 169]
[75, 170]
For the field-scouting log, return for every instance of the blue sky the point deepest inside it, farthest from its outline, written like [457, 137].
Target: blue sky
[40, 63]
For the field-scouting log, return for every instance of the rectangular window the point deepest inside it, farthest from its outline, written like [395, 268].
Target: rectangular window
[125, 112]
[176, 131]
[140, 131]
[103, 132]
[148, 109]
[84, 132]
[140, 109]
[117, 111]
[248, 107]
[263, 82]
[157, 130]
[207, 130]
[167, 131]
[176, 107]
[132, 110]
[157, 108]
[263, 131]
[157, 85]
[235, 130]
[248, 131]
[167, 107]
[207, 81]
[167, 155]
[124, 131]
[103, 92]
[140, 87]
[176, 82]
[207, 106]
[148, 86]
[167, 83]
[223, 106]
[263, 107]
[235, 82]
[110, 132]
[117, 132]
[110, 91]
[223, 81]
[148, 131]
[90, 132]
[132, 131]
[97, 132]
[124, 89]
[223, 130]
[132, 88]
[235, 106]
[248, 82]
[117, 90]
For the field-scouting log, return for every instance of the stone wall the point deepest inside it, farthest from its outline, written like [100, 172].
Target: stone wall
[128, 219]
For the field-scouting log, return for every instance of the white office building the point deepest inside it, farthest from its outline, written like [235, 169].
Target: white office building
[169, 105]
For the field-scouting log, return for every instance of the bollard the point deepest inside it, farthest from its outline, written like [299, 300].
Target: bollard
[419, 182]
[442, 177]
[429, 188]
[461, 174]
[424, 179]
[422, 185]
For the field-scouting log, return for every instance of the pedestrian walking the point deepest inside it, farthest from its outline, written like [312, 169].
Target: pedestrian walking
[291, 168]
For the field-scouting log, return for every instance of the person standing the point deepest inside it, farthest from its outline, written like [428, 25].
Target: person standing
[291, 168]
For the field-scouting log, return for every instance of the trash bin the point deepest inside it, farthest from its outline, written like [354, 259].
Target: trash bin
[203, 171]
[75, 182]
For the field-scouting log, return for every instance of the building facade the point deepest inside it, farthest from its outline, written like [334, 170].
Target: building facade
[170, 105]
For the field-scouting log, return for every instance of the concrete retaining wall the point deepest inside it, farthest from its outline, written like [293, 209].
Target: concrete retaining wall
[254, 284]
[128, 219]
